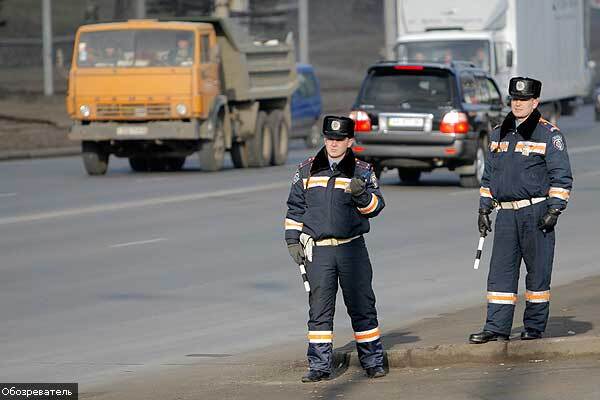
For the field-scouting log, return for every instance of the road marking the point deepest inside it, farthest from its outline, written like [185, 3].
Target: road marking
[586, 149]
[137, 243]
[139, 203]
[7, 194]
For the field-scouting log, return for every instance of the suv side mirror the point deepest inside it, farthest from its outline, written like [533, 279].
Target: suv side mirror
[509, 58]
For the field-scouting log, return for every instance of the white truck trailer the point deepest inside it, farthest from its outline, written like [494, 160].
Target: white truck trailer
[542, 39]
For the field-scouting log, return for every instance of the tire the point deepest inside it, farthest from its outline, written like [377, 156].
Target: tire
[259, 146]
[474, 181]
[409, 176]
[313, 139]
[95, 158]
[280, 137]
[212, 152]
[139, 164]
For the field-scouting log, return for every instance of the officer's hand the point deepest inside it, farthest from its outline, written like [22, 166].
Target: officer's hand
[484, 223]
[549, 220]
[297, 252]
[357, 187]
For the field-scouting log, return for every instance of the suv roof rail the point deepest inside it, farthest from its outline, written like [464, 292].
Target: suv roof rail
[463, 64]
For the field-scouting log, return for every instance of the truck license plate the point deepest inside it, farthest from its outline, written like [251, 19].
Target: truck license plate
[403, 122]
[132, 130]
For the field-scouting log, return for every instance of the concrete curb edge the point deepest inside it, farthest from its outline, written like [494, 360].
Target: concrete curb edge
[516, 350]
[39, 153]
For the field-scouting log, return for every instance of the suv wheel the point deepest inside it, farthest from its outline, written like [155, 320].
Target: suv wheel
[409, 176]
[474, 181]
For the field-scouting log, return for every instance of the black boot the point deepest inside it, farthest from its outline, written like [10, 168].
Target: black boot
[486, 336]
[315, 376]
[530, 334]
[376, 372]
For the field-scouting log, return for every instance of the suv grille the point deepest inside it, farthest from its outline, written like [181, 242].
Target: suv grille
[128, 110]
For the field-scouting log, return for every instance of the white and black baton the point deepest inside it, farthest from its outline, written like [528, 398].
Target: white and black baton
[304, 277]
[479, 251]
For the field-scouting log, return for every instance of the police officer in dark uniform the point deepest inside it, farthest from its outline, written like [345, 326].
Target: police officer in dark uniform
[333, 195]
[528, 179]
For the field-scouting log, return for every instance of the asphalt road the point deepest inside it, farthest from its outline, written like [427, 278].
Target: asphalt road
[103, 277]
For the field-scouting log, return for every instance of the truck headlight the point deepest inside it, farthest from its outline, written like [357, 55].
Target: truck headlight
[85, 110]
[181, 109]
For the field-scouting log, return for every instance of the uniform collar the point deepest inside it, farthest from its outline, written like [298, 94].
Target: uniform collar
[525, 129]
[321, 162]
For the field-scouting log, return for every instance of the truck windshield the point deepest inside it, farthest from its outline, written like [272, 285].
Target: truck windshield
[135, 48]
[404, 88]
[475, 51]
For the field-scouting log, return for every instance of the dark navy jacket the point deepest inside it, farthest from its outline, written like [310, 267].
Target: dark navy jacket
[526, 162]
[320, 205]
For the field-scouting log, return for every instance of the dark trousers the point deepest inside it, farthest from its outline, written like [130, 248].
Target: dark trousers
[349, 264]
[517, 237]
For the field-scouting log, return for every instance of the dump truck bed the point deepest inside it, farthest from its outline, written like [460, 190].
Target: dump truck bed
[252, 70]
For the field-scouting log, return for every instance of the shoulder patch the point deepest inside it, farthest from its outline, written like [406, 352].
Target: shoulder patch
[558, 142]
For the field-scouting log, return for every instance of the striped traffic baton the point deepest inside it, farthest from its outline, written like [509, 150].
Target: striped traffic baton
[304, 278]
[479, 251]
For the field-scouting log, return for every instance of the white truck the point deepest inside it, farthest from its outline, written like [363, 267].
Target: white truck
[544, 39]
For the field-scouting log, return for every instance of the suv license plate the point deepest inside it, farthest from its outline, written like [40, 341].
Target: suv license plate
[399, 122]
[132, 130]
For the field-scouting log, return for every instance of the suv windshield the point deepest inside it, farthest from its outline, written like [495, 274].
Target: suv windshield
[475, 51]
[392, 87]
[135, 48]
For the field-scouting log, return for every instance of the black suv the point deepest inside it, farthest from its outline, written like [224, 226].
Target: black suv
[418, 117]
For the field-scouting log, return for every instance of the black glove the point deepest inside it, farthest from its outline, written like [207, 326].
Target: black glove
[297, 252]
[549, 220]
[483, 222]
[357, 187]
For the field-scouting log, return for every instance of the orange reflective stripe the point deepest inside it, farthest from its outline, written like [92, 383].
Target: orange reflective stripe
[320, 336]
[372, 205]
[560, 193]
[485, 192]
[370, 335]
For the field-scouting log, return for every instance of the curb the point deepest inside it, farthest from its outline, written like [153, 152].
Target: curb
[516, 350]
[39, 153]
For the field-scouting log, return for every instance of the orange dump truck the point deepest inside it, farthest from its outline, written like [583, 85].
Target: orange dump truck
[158, 91]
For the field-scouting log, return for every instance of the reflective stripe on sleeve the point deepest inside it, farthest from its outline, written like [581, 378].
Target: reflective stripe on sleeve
[320, 336]
[560, 193]
[537, 297]
[291, 224]
[372, 205]
[485, 192]
[502, 298]
[367, 336]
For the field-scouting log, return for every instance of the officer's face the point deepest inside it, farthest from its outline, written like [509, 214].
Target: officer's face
[521, 109]
[337, 148]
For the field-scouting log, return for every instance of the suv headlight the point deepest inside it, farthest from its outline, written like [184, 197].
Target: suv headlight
[181, 109]
[84, 110]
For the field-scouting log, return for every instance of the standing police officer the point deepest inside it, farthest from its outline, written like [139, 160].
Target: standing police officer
[528, 178]
[333, 195]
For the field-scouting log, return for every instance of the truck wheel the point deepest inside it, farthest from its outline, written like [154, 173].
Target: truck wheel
[280, 137]
[212, 152]
[259, 146]
[95, 158]
[474, 181]
[409, 176]
[138, 164]
[314, 137]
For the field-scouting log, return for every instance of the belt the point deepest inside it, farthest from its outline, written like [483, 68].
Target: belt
[517, 204]
[334, 242]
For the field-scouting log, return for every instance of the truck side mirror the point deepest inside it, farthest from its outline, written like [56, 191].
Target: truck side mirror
[509, 58]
